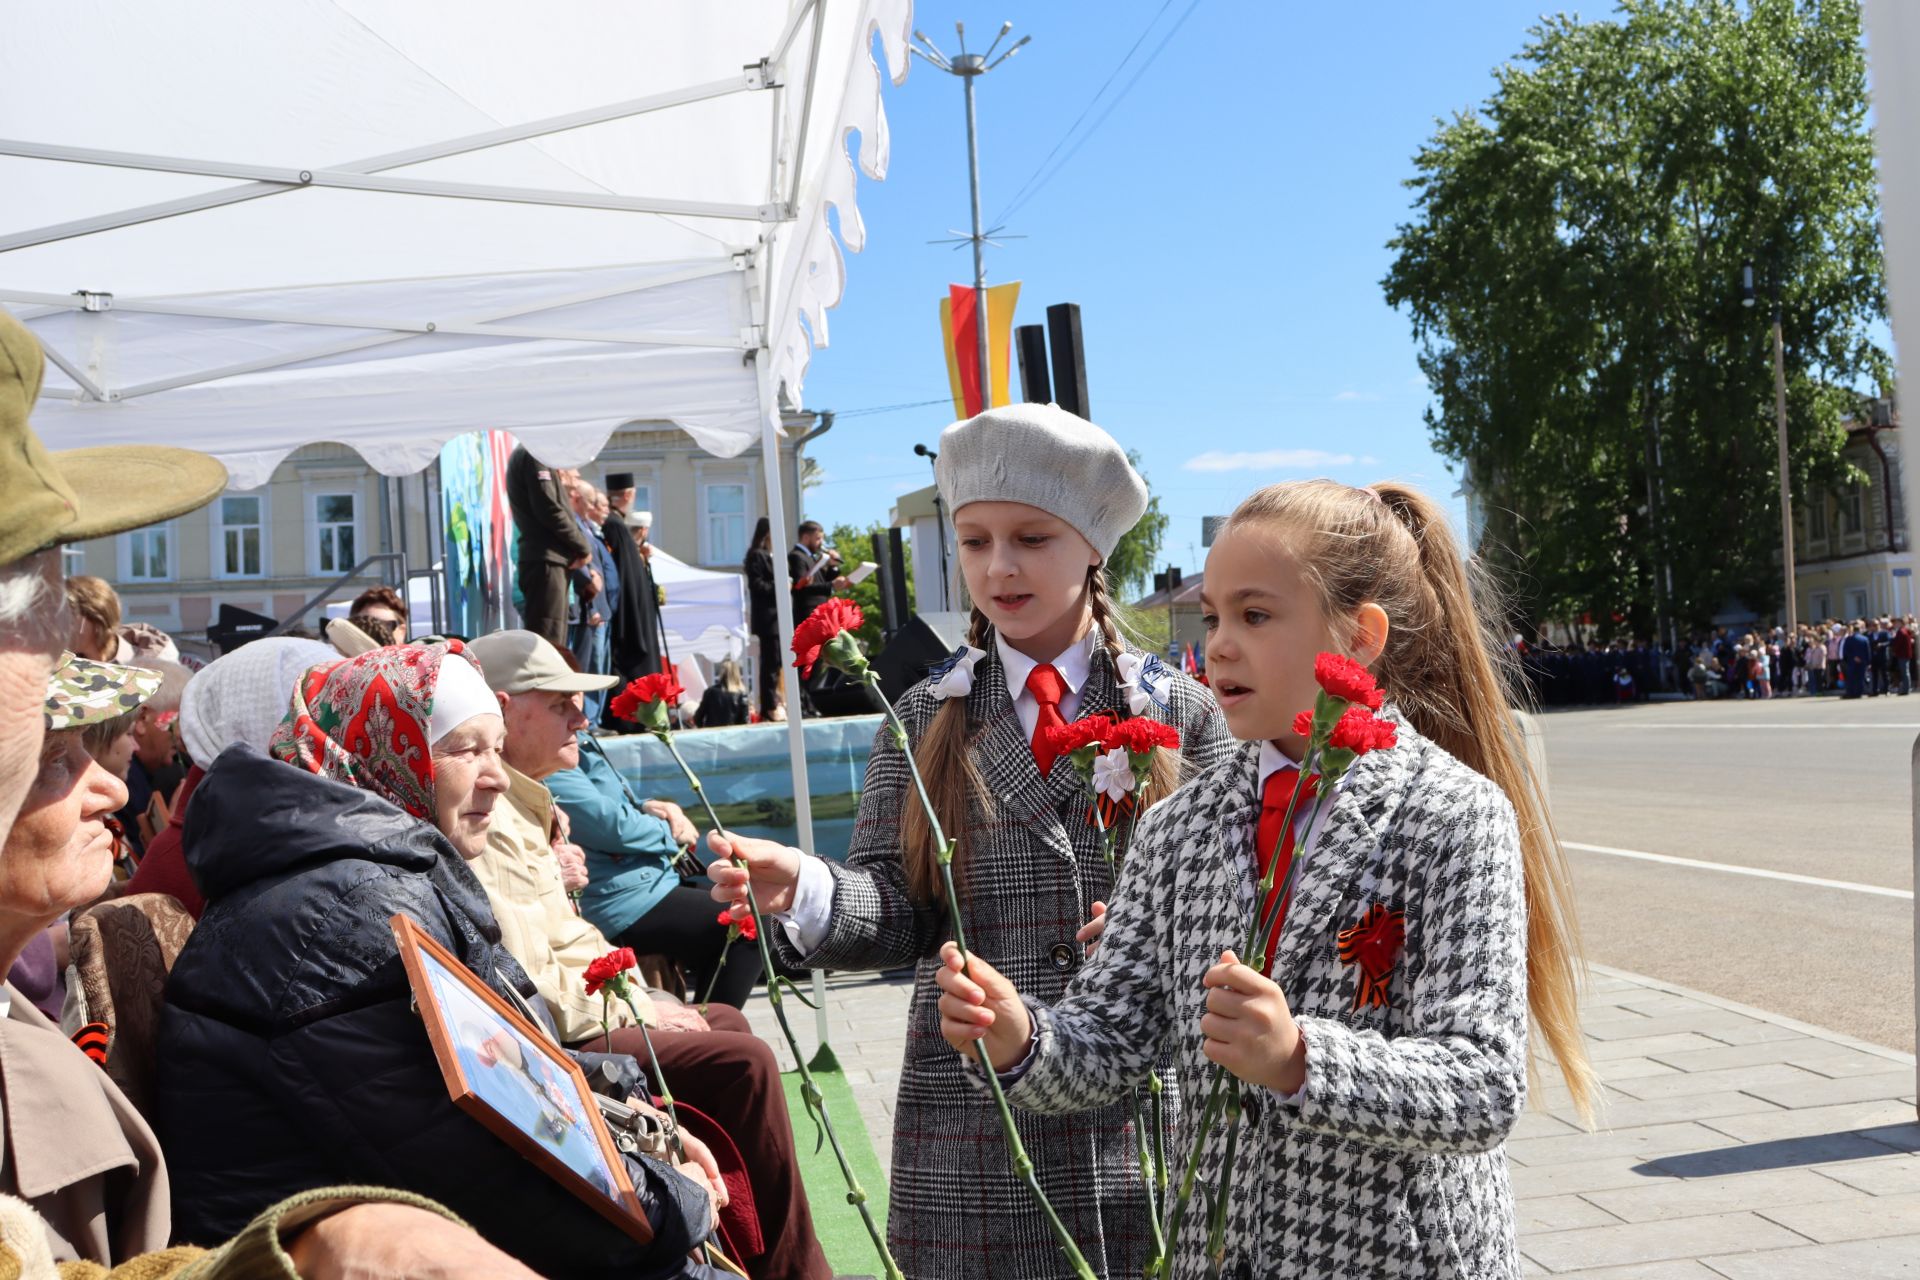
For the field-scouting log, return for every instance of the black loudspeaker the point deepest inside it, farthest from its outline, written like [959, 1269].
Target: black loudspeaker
[236, 627]
[914, 648]
[1031, 340]
[1069, 358]
[896, 549]
[832, 694]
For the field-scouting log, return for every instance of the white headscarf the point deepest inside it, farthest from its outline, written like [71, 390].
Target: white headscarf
[243, 696]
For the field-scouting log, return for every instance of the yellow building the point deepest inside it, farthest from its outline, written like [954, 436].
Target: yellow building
[1852, 558]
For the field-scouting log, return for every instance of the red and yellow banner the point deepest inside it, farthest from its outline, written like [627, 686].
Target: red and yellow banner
[963, 351]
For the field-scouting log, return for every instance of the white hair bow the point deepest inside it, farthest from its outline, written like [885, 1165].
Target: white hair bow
[953, 676]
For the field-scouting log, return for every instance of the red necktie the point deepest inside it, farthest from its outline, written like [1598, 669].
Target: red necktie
[1047, 686]
[1273, 846]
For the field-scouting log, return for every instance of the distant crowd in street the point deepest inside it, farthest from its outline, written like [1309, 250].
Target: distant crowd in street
[1867, 657]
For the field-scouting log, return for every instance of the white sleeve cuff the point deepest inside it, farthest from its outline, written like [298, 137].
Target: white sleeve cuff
[807, 919]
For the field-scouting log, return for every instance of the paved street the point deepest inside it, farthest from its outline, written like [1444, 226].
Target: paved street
[1803, 787]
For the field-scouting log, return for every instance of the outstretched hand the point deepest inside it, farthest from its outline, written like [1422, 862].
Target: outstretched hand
[773, 868]
[978, 1005]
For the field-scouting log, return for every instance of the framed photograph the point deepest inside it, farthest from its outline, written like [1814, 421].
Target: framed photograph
[504, 1072]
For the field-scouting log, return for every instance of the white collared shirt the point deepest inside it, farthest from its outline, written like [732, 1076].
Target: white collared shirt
[807, 919]
[1074, 666]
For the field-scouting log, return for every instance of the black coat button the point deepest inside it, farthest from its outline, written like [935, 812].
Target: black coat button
[1062, 956]
[1244, 1271]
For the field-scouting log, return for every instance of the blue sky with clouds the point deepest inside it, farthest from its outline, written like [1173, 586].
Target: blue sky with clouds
[1223, 228]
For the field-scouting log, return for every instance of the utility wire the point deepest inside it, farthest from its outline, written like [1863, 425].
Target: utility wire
[1037, 181]
[889, 408]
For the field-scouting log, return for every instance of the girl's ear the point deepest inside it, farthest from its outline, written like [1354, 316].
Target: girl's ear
[1369, 633]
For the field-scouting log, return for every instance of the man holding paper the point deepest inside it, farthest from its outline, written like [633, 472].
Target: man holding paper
[813, 566]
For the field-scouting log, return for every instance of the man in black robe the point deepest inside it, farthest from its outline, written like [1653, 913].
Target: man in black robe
[636, 619]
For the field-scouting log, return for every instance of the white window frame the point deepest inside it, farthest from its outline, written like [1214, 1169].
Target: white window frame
[125, 553]
[710, 551]
[315, 492]
[1821, 605]
[73, 560]
[216, 535]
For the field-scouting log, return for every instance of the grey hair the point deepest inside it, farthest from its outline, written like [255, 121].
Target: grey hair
[33, 608]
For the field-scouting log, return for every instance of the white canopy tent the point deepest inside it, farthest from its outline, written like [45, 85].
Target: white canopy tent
[245, 228]
[706, 609]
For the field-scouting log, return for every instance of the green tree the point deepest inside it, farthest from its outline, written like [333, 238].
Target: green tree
[1573, 278]
[855, 543]
[1131, 566]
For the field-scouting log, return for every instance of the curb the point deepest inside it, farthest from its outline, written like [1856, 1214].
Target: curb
[1759, 1015]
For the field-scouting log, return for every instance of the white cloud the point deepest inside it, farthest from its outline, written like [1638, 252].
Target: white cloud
[1356, 395]
[1273, 460]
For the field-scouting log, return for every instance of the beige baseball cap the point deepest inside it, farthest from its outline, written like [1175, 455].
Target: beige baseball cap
[522, 662]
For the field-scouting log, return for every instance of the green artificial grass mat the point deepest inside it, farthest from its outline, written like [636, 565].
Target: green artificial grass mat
[842, 1235]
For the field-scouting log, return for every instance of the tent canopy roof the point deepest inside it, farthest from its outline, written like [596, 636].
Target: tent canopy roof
[386, 224]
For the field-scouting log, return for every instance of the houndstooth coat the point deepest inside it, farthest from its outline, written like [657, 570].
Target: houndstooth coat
[1034, 870]
[1390, 1162]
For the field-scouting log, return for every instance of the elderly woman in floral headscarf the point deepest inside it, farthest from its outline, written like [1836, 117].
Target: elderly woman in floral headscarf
[290, 1054]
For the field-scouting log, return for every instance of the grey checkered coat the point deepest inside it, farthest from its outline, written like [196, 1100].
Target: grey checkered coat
[1390, 1163]
[1035, 868]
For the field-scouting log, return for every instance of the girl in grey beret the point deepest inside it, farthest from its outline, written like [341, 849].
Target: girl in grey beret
[1038, 499]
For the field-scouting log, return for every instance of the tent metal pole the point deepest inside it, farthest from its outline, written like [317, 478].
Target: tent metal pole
[750, 80]
[783, 609]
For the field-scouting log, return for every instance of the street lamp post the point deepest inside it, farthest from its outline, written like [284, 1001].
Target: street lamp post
[970, 67]
[1747, 299]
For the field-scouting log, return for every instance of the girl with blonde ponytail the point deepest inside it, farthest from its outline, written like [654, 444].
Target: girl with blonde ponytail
[1038, 499]
[1383, 1056]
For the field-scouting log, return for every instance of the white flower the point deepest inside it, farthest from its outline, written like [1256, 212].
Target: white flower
[957, 680]
[1113, 774]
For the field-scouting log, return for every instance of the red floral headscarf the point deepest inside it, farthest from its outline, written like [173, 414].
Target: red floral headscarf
[363, 721]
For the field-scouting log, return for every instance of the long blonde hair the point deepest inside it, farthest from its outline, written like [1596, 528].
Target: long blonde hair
[954, 781]
[1456, 683]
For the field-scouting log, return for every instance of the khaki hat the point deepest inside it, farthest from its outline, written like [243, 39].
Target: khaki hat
[522, 662]
[76, 494]
[81, 692]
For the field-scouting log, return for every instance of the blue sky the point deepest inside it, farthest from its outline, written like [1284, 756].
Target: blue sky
[1224, 232]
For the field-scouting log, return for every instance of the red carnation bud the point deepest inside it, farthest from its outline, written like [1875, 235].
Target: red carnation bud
[1347, 680]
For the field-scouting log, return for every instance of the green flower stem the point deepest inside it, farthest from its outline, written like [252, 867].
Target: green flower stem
[713, 979]
[810, 1093]
[1148, 1149]
[1217, 1076]
[1223, 1190]
[666, 1090]
[1022, 1162]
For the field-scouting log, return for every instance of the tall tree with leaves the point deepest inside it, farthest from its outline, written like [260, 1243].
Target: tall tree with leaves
[1131, 566]
[1573, 277]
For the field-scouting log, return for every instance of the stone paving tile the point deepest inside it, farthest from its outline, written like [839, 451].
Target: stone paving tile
[1560, 1213]
[1893, 1259]
[1817, 1056]
[1671, 1269]
[1726, 1157]
[1888, 1176]
[1805, 1121]
[1632, 1113]
[1718, 1024]
[1739, 1079]
[1646, 1143]
[1832, 1091]
[1588, 1175]
[1639, 1242]
[1860, 1218]
[1703, 1196]
[1660, 1047]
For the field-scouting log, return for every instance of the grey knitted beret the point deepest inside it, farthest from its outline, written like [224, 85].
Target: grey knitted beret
[1045, 457]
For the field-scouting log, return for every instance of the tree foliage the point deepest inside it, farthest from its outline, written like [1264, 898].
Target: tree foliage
[1132, 564]
[1573, 276]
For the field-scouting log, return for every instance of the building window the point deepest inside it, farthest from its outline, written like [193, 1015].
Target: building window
[1847, 519]
[642, 497]
[1856, 603]
[726, 508]
[149, 554]
[73, 561]
[335, 522]
[1817, 518]
[1822, 605]
[239, 536]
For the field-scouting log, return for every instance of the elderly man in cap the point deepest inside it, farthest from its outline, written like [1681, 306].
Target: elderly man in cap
[81, 1175]
[723, 1070]
[635, 638]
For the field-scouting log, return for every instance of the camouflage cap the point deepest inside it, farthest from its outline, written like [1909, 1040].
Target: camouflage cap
[81, 692]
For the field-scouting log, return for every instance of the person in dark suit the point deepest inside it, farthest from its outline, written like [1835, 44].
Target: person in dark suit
[636, 617]
[551, 543]
[1856, 652]
[811, 587]
[763, 616]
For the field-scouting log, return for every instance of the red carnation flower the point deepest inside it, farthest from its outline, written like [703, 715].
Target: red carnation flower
[644, 692]
[1140, 735]
[1347, 680]
[741, 928]
[1088, 731]
[1303, 724]
[610, 968]
[823, 624]
[1360, 731]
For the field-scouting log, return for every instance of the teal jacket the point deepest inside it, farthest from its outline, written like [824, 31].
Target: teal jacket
[629, 851]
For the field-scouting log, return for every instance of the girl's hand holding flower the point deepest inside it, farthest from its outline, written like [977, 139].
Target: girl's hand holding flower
[773, 868]
[1249, 1027]
[981, 1007]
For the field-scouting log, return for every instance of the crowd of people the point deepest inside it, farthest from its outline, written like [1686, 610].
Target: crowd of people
[1865, 658]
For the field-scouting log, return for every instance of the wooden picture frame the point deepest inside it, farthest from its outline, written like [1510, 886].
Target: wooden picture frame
[525, 1088]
